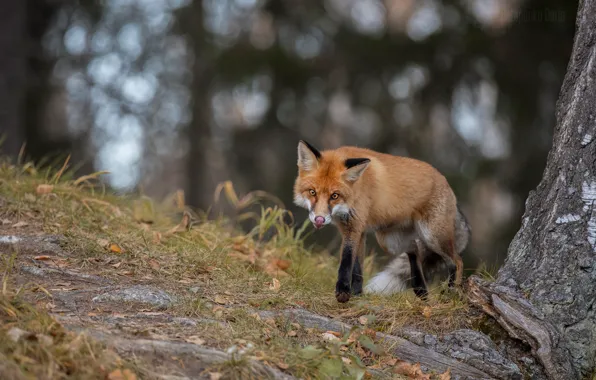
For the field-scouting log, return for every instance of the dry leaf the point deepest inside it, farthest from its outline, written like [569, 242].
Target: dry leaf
[363, 320]
[328, 336]
[44, 189]
[156, 237]
[5, 221]
[42, 257]
[283, 264]
[292, 333]
[214, 375]
[154, 264]
[122, 375]
[275, 285]
[195, 339]
[445, 375]
[411, 370]
[182, 226]
[220, 300]
[103, 242]
[426, 311]
[115, 248]
[283, 365]
[20, 224]
[274, 270]
[117, 265]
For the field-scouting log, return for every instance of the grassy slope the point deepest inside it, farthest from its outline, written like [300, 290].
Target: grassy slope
[234, 270]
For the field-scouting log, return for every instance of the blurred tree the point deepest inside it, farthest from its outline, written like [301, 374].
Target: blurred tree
[26, 71]
[13, 75]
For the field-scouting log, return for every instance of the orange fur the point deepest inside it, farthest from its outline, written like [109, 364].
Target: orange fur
[397, 197]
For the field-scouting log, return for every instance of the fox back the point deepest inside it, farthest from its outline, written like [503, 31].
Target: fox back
[373, 188]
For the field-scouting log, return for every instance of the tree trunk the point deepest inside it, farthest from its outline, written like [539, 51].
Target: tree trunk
[12, 75]
[199, 187]
[545, 292]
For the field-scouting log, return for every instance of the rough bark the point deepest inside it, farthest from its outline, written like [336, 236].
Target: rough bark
[545, 291]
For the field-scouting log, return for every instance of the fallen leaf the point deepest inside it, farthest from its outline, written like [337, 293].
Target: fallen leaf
[275, 285]
[445, 375]
[156, 237]
[182, 226]
[426, 311]
[195, 339]
[292, 333]
[283, 365]
[329, 337]
[283, 264]
[220, 300]
[274, 270]
[5, 221]
[115, 248]
[29, 197]
[363, 320]
[42, 257]
[16, 333]
[44, 189]
[411, 370]
[103, 242]
[117, 265]
[20, 224]
[154, 264]
[215, 375]
[122, 375]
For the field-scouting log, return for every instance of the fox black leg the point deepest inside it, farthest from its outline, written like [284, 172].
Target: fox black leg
[357, 278]
[418, 282]
[344, 275]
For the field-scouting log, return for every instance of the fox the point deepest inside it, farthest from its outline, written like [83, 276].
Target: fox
[407, 203]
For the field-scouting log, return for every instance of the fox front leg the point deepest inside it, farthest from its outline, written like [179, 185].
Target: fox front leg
[346, 268]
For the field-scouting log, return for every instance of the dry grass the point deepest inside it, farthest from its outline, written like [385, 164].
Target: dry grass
[170, 245]
[35, 346]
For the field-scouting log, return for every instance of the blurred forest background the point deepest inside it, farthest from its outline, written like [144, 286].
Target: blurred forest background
[179, 94]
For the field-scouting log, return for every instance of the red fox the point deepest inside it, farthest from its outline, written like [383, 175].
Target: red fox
[406, 202]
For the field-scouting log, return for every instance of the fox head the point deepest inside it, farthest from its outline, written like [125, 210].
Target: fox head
[324, 185]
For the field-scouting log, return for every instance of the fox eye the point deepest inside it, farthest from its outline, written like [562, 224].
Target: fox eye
[312, 192]
[334, 196]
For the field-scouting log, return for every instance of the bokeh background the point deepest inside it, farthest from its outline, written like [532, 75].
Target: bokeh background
[179, 94]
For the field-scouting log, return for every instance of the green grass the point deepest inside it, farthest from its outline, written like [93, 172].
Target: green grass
[169, 244]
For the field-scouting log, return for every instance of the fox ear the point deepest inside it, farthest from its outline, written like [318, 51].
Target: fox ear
[308, 156]
[354, 168]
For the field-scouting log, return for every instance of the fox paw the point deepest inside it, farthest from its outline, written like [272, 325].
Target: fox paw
[342, 297]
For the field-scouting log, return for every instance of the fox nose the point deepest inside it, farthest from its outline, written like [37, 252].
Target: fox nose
[319, 221]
